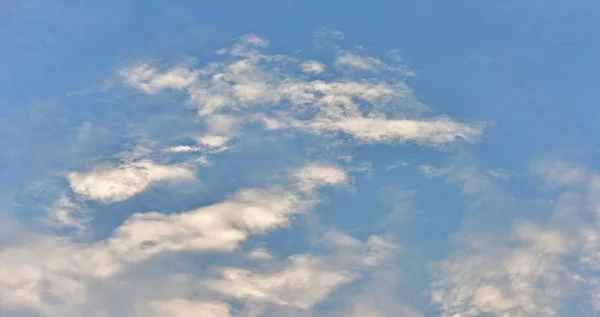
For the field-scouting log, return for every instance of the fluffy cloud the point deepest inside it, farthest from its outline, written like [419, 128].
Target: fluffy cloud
[524, 281]
[51, 275]
[118, 183]
[301, 284]
[543, 267]
[313, 67]
[305, 280]
[314, 176]
[221, 226]
[218, 227]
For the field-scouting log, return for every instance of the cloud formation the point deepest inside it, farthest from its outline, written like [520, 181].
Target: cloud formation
[184, 308]
[61, 269]
[359, 62]
[140, 266]
[118, 183]
[541, 267]
[255, 82]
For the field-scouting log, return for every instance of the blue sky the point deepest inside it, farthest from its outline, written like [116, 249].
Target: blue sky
[299, 158]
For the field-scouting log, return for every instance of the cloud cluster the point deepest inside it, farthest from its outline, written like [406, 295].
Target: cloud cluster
[541, 268]
[49, 274]
[303, 280]
[503, 281]
[118, 183]
[134, 268]
[261, 84]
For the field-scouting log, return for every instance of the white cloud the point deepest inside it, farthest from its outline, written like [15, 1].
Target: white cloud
[213, 141]
[260, 254]
[183, 149]
[378, 249]
[52, 275]
[372, 307]
[306, 280]
[150, 80]
[65, 213]
[62, 269]
[313, 67]
[379, 296]
[374, 130]
[473, 182]
[542, 267]
[184, 308]
[114, 184]
[401, 203]
[339, 239]
[572, 215]
[433, 172]
[208, 144]
[49, 274]
[359, 62]
[376, 293]
[218, 227]
[62, 277]
[560, 173]
[524, 281]
[315, 175]
[301, 284]
[253, 84]
[248, 44]
[531, 272]
[593, 191]
[397, 164]
[223, 124]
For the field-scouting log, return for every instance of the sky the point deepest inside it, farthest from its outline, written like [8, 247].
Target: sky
[249, 158]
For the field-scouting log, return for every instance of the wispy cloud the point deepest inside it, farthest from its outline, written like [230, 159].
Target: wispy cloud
[252, 81]
[149, 80]
[433, 172]
[521, 281]
[66, 213]
[525, 266]
[359, 62]
[302, 283]
[557, 172]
